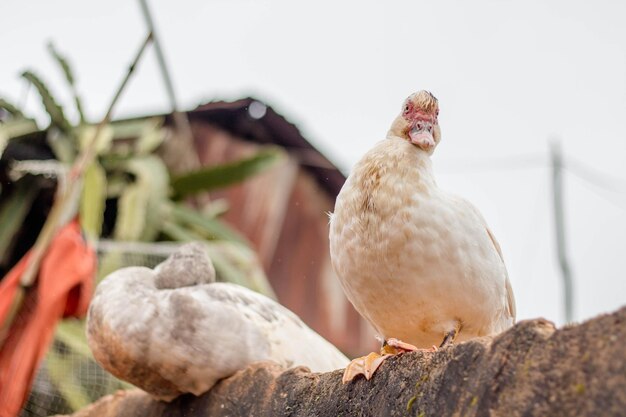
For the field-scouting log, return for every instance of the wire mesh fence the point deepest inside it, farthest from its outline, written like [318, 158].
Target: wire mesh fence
[69, 378]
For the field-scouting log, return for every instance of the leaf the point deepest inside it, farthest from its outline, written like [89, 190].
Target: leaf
[54, 110]
[61, 145]
[109, 262]
[18, 127]
[11, 109]
[72, 333]
[219, 176]
[215, 208]
[65, 67]
[14, 128]
[233, 262]
[92, 200]
[139, 207]
[66, 382]
[127, 129]
[240, 264]
[131, 213]
[116, 184]
[145, 135]
[177, 232]
[103, 141]
[206, 227]
[151, 136]
[13, 211]
[152, 172]
[224, 271]
[69, 77]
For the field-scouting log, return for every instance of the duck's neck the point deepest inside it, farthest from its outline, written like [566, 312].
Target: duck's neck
[414, 158]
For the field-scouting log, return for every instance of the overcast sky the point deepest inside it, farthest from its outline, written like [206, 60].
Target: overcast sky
[509, 76]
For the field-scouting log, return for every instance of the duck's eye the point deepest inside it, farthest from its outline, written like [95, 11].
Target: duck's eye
[406, 108]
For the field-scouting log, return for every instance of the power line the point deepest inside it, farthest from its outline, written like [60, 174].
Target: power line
[595, 177]
[597, 182]
[503, 163]
[599, 191]
[583, 171]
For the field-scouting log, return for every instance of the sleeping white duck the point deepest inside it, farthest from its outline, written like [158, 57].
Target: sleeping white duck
[174, 330]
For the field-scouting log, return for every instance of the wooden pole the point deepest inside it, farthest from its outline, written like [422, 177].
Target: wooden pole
[559, 221]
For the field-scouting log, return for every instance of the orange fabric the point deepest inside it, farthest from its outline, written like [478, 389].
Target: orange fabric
[63, 288]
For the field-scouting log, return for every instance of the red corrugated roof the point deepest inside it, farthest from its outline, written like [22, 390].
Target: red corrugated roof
[271, 128]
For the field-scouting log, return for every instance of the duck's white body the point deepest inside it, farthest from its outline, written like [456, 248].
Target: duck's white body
[414, 261]
[173, 330]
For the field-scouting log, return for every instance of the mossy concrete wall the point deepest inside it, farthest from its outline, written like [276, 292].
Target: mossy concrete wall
[531, 370]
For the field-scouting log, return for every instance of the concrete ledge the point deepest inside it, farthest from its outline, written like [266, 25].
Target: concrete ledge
[531, 370]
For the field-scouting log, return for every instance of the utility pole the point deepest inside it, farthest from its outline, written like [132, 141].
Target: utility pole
[559, 222]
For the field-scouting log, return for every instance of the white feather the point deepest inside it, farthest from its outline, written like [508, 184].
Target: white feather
[185, 338]
[413, 260]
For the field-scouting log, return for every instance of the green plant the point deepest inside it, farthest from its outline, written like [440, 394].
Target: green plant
[125, 174]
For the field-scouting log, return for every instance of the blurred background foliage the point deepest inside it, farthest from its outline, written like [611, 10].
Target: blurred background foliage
[131, 205]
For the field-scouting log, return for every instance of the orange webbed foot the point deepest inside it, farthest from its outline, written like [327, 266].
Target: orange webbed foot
[367, 365]
[394, 346]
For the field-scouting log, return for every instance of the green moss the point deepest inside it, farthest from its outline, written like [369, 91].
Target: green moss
[579, 388]
[423, 379]
[410, 403]
[527, 364]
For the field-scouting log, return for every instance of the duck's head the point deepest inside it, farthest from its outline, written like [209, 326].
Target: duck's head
[417, 122]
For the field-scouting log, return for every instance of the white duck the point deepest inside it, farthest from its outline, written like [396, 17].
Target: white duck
[419, 264]
[173, 330]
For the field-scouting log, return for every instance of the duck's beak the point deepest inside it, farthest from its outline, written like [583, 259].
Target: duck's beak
[422, 137]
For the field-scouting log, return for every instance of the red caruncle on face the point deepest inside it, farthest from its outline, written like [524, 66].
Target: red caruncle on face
[412, 114]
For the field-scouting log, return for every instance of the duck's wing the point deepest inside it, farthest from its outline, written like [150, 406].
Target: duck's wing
[511, 308]
[290, 341]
